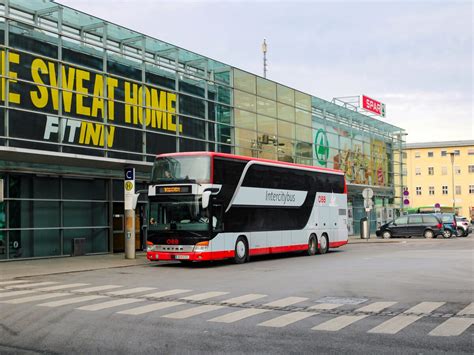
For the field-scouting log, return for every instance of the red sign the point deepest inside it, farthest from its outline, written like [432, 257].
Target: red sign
[372, 105]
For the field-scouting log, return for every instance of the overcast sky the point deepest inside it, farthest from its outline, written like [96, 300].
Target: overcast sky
[415, 56]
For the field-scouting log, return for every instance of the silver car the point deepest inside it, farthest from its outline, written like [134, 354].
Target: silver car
[463, 227]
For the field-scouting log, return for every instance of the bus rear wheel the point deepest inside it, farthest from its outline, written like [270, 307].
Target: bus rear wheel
[241, 253]
[312, 245]
[323, 244]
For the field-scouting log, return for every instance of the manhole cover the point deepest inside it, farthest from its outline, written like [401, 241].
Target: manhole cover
[341, 300]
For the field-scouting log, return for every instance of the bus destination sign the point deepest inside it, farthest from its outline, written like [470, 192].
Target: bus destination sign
[181, 189]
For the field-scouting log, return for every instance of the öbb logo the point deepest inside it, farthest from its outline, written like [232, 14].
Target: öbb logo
[172, 241]
[322, 199]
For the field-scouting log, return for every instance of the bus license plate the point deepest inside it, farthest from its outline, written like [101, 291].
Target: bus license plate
[181, 257]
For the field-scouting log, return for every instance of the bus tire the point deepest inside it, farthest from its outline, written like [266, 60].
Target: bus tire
[312, 245]
[241, 251]
[323, 244]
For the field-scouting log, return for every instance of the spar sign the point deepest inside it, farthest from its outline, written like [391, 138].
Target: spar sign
[372, 105]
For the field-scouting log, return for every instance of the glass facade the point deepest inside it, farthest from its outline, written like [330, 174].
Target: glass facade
[97, 97]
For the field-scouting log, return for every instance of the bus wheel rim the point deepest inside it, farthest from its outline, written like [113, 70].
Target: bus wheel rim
[240, 249]
[323, 243]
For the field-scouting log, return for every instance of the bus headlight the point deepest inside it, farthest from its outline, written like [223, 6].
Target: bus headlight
[150, 247]
[201, 246]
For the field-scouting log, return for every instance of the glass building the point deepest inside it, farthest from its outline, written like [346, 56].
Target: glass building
[82, 98]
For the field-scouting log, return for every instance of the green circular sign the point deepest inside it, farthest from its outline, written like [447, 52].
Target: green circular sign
[321, 147]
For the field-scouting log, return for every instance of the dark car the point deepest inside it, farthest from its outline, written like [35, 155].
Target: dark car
[449, 224]
[426, 225]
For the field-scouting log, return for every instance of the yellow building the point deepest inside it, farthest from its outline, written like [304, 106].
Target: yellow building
[439, 172]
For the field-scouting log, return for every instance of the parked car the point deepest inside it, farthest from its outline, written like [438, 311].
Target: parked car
[463, 227]
[419, 224]
[449, 224]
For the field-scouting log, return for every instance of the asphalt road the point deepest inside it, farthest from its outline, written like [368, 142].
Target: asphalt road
[412, 297]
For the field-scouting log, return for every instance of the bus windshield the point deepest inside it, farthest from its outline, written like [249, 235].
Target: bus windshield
[182, 168]
[178, 214]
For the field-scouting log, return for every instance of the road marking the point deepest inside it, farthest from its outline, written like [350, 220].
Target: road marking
[244, 299]
[288, 301]
[376, 307]
[12, 282]
[97, 288]
[130, 291]
[193, 312]
[150, 308]
[166, 293]
[15, 293]
[452, 327]
[287, 319]
[341, 322]
[36, 284]
[61, 287]
[35, 298]
[109, 304]
[238, 315]
[71, 301]
[468, 311]
[204, 296]
[325, 306]
[397, 323]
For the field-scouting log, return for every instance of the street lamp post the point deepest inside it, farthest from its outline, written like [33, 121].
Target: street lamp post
[451, 154]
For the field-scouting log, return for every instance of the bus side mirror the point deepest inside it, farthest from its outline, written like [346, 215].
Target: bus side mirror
[205, 199]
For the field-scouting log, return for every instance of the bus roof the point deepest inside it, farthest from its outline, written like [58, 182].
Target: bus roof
[241, 157]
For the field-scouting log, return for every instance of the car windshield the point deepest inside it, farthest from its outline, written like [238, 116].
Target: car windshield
[447, 218]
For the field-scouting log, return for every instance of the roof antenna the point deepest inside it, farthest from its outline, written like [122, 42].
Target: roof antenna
[264, 50]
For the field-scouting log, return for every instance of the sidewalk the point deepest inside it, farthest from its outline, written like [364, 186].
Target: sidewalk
[16, 269]
[355, 239]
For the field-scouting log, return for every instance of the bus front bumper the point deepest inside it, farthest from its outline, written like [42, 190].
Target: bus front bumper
[191, 256]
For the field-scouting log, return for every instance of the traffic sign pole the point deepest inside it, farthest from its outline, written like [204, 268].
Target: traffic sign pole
[129, 214]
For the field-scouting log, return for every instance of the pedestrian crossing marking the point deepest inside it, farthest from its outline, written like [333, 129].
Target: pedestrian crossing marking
[238, 315]
[2, 283]
[36, 284]
[468, 311]
[130, 291]
[193, 312]
[34, 298]
[150, 308]
[452, 327]
[204, 296]
[339, 323]
[61, 287]
[97, 288]
[244, 299]
[69, 301]
[284, 302]
[166, 293]
[15, 293]
[376, 307]
[109, 304]
[325, 306]
[397, 323]
[287, 319]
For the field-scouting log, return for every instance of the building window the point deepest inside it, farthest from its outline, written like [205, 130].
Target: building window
[457, 152]
[418, 190]
[458, 190]
[404, 171]
[445, 190]
[417, 171]
[470, 152]
[471, 189]
[444, 170]
[430, 154]
[457, 170]
[417, 154]
[444, 153]
[404, 155]
[431, 190]
[471, 169]
[430, 170]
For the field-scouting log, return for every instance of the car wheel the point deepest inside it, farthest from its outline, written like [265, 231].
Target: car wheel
[241, 250]
[386, 235]
[323, 244]
[312, 245]
[447, 233]
[428, 234]
[459, 232]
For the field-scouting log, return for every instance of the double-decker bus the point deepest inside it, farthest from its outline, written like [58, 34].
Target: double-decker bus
[211, 206]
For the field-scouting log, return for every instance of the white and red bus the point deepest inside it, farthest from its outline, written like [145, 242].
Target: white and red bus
[210, 206]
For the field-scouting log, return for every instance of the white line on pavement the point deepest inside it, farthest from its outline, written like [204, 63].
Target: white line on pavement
[15, 293]
[287, 319]
[130, 291]
[150, 308]
[61, 287]
[35, 298]
[238, 315]
[109, 304]
[97, 288]
[192, 312]
[69, 301]
[31, 285]
[166, 293]
[204, 296]
[288, 301]
[244, 299]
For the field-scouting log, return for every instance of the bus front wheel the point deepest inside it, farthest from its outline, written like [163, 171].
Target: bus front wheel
[241, 250]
